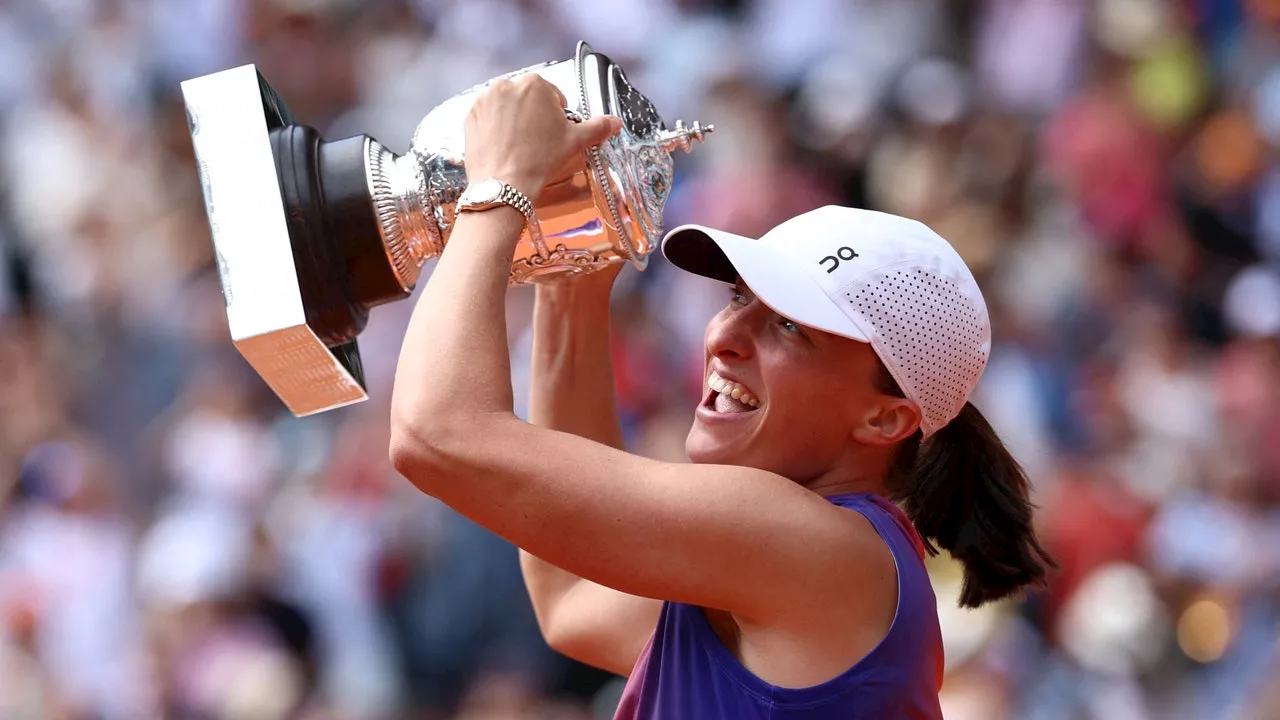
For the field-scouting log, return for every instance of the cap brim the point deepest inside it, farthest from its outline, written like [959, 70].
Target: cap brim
[773, 276]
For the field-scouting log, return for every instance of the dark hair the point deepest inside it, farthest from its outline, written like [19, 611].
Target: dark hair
[966, 494]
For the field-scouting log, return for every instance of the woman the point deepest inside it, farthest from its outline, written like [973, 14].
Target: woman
[772, 577]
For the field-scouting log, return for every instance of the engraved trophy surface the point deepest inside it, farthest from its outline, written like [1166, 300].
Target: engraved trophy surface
[311, 234]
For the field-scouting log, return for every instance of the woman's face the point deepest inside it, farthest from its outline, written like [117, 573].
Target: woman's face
[803, 396]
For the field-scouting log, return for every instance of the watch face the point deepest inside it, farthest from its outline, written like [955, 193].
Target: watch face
[484, 191]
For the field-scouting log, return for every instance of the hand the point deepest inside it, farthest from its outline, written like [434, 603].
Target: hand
[592, 286]
[517, 132]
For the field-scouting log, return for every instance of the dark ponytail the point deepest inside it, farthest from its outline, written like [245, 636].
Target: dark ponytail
[966, 494]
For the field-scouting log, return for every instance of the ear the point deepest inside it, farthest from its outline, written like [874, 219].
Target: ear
[889, 422]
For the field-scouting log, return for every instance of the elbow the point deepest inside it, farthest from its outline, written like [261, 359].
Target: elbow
[562, 638]
[431, 450]
[403, 452]
[561, 630]
[546, 628]
[422, 452]
[407, 455]
[561, 643]
[573, 642]
[430, 453]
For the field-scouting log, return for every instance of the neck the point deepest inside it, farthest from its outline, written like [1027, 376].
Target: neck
[843, 483]
[854, 475]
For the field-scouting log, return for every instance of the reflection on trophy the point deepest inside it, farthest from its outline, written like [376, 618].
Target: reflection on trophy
[310, 234]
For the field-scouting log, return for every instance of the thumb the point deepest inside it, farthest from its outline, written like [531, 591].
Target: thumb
[596, 130]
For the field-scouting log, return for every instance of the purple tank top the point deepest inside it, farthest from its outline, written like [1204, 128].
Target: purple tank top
[686, 673]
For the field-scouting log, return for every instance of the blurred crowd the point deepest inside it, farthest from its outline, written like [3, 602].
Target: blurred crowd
[174, 544]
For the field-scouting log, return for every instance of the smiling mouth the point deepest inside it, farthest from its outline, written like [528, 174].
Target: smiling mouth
[727, 397]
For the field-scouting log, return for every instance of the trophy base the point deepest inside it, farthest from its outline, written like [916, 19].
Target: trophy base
[295, 237]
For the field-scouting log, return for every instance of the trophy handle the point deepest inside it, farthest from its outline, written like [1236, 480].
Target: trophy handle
[591, 103]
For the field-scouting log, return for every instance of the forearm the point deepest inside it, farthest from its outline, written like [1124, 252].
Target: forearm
[572, 391]
[453, 381]
[573, 385]
[454, 369]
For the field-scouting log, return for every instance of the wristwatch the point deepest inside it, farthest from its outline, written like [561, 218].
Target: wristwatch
[491, 192]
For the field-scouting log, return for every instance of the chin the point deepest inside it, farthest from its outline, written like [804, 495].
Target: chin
[723, 438]
[704, 448]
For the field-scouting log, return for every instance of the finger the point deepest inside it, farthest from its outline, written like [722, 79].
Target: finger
[537, 83]
[560, 98]
[493, 89]
[596, 130]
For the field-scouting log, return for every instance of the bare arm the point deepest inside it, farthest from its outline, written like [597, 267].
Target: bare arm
[732, 538]
[573, 391]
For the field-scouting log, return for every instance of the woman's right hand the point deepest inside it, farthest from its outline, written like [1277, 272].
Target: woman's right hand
[517, 131]
[584, 287]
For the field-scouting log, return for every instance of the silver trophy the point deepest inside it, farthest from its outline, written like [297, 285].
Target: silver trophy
[310, 234]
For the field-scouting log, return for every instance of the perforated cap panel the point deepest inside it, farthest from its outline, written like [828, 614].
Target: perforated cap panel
[931, 335]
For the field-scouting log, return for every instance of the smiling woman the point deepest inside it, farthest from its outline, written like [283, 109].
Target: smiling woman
[773, 577]
[753, 350]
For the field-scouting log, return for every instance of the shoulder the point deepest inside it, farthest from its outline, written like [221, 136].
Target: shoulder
[839, 618]
[855, 582]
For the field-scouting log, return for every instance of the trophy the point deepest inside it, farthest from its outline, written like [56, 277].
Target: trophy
[310, 234]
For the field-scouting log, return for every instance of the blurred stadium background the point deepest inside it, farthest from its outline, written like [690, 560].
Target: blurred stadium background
[172, 544]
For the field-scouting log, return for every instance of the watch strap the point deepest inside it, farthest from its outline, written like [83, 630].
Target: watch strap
[509, 195]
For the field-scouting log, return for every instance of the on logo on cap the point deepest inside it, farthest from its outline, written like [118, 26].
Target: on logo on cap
[844, 253]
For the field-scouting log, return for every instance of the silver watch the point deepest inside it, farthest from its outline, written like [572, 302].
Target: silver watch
[491, 192]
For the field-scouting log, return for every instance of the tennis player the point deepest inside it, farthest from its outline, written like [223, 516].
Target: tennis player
[775, 576]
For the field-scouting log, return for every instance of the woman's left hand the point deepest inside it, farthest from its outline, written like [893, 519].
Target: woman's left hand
[517, 132]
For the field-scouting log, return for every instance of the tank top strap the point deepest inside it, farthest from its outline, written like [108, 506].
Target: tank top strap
[883, 514]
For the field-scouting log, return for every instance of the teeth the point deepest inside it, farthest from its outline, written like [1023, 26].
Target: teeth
[732, 389]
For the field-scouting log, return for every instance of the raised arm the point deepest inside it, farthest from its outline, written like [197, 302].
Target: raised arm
[573, 391]
[736, 539]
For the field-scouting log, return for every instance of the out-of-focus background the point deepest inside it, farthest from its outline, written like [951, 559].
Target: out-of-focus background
[173, 544]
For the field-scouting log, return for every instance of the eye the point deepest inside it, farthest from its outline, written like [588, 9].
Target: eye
[738, 297]
[793, 330]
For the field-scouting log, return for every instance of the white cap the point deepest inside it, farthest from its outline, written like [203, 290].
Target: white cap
[869, 276]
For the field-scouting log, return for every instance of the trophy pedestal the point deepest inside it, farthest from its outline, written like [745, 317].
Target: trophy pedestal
[295, 237]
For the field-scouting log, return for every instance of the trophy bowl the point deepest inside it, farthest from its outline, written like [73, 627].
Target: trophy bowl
[311, 234]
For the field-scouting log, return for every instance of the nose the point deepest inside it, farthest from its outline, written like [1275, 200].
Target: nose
[731, 334]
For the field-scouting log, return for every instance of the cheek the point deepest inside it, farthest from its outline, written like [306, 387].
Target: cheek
[807, 408]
